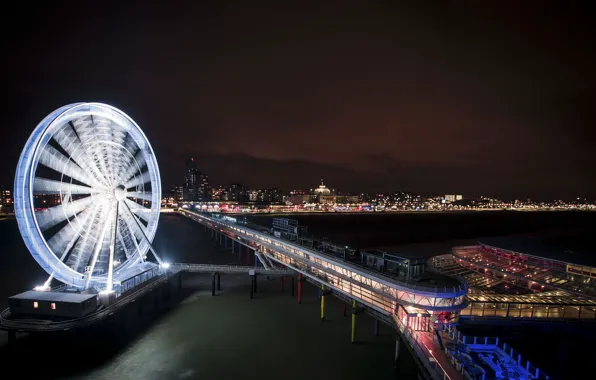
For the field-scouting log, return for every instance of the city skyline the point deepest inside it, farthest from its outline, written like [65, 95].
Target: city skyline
[479, 100]
[182, 188]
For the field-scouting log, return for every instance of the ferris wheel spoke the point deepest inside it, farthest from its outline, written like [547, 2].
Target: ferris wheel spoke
[55, 160]
[137, 163]
[135, 232]
[65, 239]
[144, 234]
[69, 140]
[126, 157]
[118, 140]
[142, 212]
[91, 131]
[50, 217]
[50, 186]
[122, 242]
[144, 195]
[137, 180]
[99, 244]
[84, 245]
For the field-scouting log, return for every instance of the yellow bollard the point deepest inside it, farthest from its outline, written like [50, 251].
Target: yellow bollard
[353, 321]
[322, 303]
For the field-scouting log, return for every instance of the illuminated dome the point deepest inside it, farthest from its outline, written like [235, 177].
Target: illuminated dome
[322, 189]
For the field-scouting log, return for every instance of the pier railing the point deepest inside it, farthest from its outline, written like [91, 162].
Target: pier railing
[458, 337]
[433, 367]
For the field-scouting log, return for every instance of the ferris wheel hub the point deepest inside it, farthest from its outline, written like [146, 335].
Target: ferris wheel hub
[120, 192]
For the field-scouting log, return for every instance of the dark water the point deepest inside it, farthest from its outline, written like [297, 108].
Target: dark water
[189, 341]
[571, 229]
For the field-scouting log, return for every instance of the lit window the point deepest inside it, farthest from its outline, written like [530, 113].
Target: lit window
[53, 306]
[35, 305]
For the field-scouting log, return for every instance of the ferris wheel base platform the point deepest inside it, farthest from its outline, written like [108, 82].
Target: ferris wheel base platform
[86, 309]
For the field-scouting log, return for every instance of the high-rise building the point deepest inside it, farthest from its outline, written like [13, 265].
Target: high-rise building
[196, 184]
[204, 190]
[191, 186]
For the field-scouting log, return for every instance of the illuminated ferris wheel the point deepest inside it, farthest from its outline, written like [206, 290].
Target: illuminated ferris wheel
[87, 195]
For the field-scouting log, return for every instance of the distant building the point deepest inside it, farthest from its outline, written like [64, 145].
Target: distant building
[449, 198]
[219, 194]
[253, 195]
[322, 190]
[6, 200]
[297, 197]
[237, 192]
[459, 197]
[177, 192]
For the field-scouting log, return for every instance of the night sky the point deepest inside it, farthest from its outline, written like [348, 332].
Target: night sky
[474, 99]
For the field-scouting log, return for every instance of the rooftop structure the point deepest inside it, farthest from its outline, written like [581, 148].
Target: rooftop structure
[322, 189]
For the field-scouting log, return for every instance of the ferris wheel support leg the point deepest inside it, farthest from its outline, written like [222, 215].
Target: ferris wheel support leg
[97, 249]
[112, 249]
[48, 281]
[159, 261]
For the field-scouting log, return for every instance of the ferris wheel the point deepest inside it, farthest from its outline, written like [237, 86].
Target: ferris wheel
[87, 195]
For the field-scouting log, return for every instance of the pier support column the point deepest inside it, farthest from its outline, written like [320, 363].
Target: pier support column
[292, 286]
[213, 284]
[226, 242]
[322, 303]
[218, 281]
[299, 288]
[345, 308]
[376, 327]
[353, 321]
[233, 246]
[252, 286]
[255, 276]
[397, 344]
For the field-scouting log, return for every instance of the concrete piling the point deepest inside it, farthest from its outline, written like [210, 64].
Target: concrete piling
[322, 303]
[299, 288]
[353, 321]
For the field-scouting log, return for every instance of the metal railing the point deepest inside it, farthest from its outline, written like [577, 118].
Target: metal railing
[208, 268]
[458, 337]
[433, 367]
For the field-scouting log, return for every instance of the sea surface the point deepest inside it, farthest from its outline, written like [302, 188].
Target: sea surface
[271, 336]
